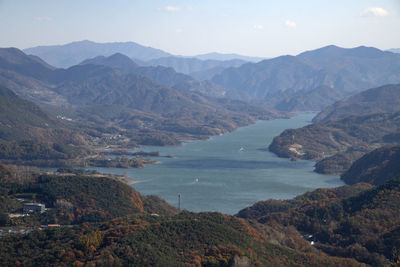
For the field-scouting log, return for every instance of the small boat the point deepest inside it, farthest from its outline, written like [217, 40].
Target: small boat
[197, 180]
[241, 148]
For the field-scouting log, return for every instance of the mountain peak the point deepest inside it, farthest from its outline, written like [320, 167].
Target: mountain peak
[117, 60]
[336, 51]
[11, 52]
[330, 50]
[14, 59]
[364, 51]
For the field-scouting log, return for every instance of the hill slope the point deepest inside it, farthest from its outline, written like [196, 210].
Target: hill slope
[75, 199]
[342, 221]
[205, 239]
[346, 130]
[384, 99]
[22, 120]
[352, 136]
[166, 76]
[163, 75]
[375, 167]
[99, 236]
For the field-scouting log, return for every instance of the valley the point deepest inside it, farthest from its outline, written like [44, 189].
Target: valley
[120, 154]
[229, 172]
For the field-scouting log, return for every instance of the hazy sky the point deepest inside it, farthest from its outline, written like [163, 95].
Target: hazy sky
[188, 27]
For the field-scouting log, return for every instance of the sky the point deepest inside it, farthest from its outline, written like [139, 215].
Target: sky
[263, 28]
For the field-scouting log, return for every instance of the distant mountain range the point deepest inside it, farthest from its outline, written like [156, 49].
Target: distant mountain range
[309, 81]
[166, 76]
[196, 68]
[64, 56]
[278, 82]
[152, 105]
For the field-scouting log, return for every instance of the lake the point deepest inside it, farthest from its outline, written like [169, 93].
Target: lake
[229, 172]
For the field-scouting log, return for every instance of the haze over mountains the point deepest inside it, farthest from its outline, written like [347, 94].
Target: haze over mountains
[276, 81]
[142, 97]
[309, 81]
[163, 75]
[194, 65]
[223, 57]
[64, 56]
[115, 92]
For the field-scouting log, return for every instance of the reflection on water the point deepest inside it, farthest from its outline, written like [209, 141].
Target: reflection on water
[229, 172]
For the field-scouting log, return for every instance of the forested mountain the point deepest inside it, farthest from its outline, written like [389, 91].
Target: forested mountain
[19, 117]
[315, 99]
[22, 120]
[137, 106]
[27, 76]
[64, 56]
[344, 226]
[30, 135]
[163, 75]
[375, 167]
[120, 227]
[338, 143]
[376, 100]
[346, 71]
[286, 83]
[358, 222]
[166, 76]
[345, 130]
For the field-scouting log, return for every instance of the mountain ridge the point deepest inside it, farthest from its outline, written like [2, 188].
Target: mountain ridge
[138, 105]
[345, 70]
[166, 76]
[375, 167]
[383, 99]
[73, 53]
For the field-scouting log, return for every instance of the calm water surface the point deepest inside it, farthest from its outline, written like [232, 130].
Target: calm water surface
[228, 172]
